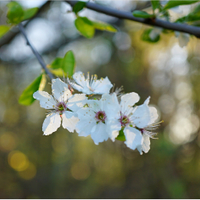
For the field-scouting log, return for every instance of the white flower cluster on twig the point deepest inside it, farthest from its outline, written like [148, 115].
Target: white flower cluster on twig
[101, 118]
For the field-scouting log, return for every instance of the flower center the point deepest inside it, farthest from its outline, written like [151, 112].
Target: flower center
[60, 107]
[100, 116]
[124, 120]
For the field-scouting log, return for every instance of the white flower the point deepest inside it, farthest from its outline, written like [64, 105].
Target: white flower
[143, 118]
[136, 122]
[90, 85]
[94, 119]
[63, 106]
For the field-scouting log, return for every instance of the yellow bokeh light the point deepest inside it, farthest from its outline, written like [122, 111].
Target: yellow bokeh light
[18, 161]
[28, 173]
[7, 142]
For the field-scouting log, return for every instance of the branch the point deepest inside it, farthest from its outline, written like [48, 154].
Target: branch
[14, 31]
[21, 28]
[152, 22]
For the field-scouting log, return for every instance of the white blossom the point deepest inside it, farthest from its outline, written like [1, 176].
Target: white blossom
[90, 85]
[136, 122]
[62, 105]
[94, 118]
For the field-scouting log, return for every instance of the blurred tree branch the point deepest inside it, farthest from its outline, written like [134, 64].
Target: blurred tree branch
[150, 21]
[39, 58]
[8, 37]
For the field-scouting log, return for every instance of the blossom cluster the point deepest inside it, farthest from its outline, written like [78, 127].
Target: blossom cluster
[102, 118]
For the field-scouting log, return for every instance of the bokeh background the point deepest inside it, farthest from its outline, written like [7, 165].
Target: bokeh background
[64, 165]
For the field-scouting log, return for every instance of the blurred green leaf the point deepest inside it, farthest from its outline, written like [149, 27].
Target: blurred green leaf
[172, 3]
[57, 72]
[79, 6]
[57, 63]
[104, 26]
[155, 4]
[4, 29]
[85, 27]
[68, 64]
[142, 14]
[15, 12]
[30, 13]
[63, 66]
[121, 136]
[26, 97]
[149, 37]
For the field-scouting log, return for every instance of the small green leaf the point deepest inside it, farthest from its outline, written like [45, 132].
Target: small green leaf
[104, 26]
[30, 13]
[121, 136]
[85, 27]
[3, 30]
[26, 97]
[68, 64]
[15, 12]
[57, 63]
[142, 14]
[155, 4]
[172, 3]
[79, 6]
[149, 37]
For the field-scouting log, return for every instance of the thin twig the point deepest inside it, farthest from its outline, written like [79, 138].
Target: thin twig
[152, 22]
[21, 28]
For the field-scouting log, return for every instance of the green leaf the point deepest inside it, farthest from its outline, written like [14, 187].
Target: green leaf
[85, 27]
[172, 3]
[68, 64]
[142, 14]
[79, 6]
[155, 4]
[15, 12]
[30, 13]
[3, 30]
[150, 38]
[57, 72]
[121, 136]
[57, 63]
[104, 26]
[26, 97]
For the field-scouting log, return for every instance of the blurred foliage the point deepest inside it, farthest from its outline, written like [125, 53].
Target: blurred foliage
[64, 165]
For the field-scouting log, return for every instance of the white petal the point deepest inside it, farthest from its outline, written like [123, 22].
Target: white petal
[86, 121]
[46, 100]
[110, 104]
[80, 80]
[133, 137]
[146, 143]
[69, 121]
[100, 133]
[101, 86]
[127, 101]
[84, 127]
[51, 123]
[153, 115]
[142, 116]
[113, 128]
[60, 90]
[76, 101]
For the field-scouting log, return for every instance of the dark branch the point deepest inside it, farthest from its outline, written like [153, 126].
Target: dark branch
[8, 37]
[152, 22]
[39, 58]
